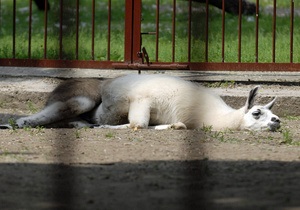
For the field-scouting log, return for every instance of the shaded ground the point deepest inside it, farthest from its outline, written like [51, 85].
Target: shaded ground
[146, 169]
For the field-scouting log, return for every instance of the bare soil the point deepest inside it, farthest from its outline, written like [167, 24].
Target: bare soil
[145, 169]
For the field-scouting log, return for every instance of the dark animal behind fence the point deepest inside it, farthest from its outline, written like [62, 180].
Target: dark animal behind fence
[41, 4]
[232, 6]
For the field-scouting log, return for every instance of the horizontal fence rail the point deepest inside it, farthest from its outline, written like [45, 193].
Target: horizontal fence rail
[147, 34]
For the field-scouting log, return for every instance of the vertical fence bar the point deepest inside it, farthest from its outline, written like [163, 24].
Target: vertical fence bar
[133, 10]
[206, 30]
[0, 17]
[256, 30]
[173, 30]
[274, 33]
[93, 31]
[60, 29]
[77, 30]
[128, 31]
[292, 32]
[45, 28]
[223, 30]
[29, 28]
[240, 31]
[157, 30]
[189, 30]
[108, 29]
[14, 30]
[136, 33]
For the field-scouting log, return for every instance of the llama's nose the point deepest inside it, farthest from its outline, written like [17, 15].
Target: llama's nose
[275, 119]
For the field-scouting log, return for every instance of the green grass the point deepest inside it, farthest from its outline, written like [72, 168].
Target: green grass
[110, 135]
[287, 136]
[69, 35]
[148, 24]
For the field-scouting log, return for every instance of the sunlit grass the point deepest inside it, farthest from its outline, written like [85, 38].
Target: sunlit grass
[148, 25]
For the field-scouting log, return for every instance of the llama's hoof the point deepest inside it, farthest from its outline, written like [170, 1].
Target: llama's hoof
[178, 126]
[6, 126]
[94, 125]
[101, 126]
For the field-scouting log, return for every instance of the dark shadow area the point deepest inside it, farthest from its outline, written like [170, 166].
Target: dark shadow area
[152, 185]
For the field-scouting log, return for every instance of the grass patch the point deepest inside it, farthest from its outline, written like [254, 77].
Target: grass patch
[110, 135]
[287, 137]
[13, 124]
[34, 131]
[69, 30]
[32, 107]
[290, 117]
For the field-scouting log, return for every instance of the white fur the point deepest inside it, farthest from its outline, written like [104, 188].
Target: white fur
[165, 100]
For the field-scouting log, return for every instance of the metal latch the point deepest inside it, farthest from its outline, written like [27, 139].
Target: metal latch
[145, 64]
[144, 56]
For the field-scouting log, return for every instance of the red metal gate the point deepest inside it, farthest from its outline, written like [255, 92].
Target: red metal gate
[135, 53]
[138, 62]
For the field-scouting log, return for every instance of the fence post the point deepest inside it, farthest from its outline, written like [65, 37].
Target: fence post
[133, 10]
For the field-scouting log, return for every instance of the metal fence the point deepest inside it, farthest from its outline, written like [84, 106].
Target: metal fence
[148, 34]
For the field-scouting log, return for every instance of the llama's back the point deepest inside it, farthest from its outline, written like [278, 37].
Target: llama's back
[171, 99]
[72, 88]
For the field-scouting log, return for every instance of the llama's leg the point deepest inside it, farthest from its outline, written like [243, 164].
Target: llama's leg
[57, 111]
[109, 115]
[80, 124]
[174, 126]
[124, 126]
[139, 113]
[48, 115]
[45, 116]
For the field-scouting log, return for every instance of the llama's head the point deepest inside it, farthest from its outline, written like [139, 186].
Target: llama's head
[259, 117]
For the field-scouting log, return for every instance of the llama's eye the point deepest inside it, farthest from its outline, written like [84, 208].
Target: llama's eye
[256, 114]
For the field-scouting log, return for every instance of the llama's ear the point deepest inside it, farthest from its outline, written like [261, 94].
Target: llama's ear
[271, 104]
[250, 99]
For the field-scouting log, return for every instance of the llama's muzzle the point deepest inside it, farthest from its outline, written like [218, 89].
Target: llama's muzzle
[274, 124]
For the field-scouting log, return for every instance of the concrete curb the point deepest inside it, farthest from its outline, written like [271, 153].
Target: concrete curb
[237, 76]
[284, 85]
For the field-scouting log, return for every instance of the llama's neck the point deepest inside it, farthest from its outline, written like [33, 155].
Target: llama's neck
[225, 118]
[213, 111]
[232, 119]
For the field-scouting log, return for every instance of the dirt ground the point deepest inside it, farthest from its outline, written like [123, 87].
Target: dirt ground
[145, 169]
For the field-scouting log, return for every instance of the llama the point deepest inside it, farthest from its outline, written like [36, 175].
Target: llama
[149, 101]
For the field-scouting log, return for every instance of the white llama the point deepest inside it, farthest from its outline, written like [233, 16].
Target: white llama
[148, 101]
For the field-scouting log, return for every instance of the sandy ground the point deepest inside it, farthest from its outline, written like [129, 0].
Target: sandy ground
[145, 169]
